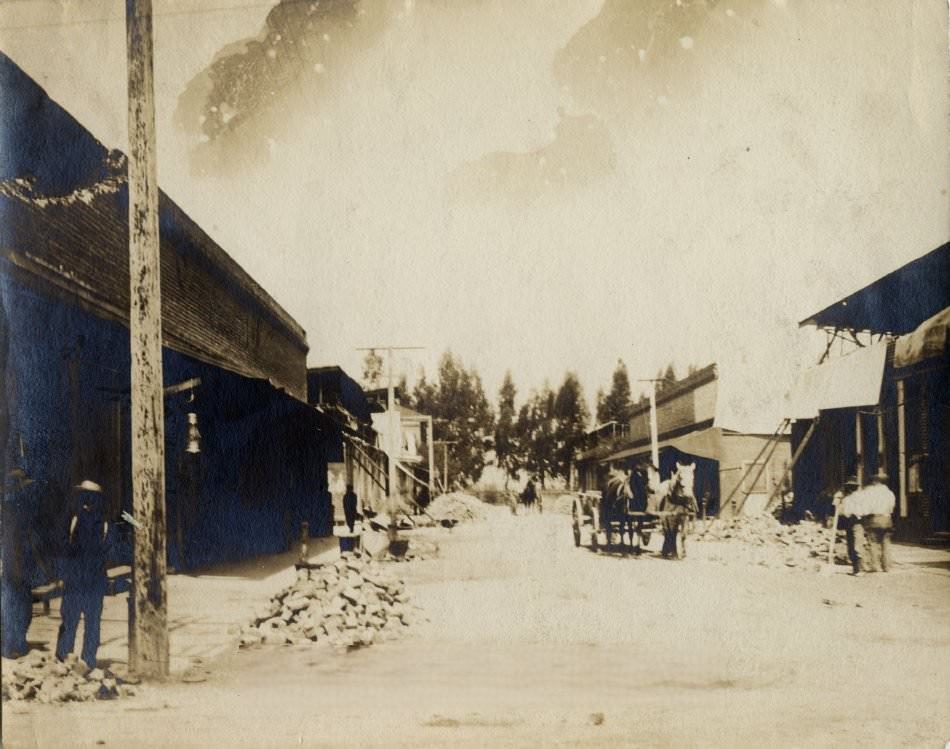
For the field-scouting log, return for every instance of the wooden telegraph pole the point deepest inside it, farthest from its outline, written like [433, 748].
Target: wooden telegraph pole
[148, 615]
[654, 437]
[393, 442]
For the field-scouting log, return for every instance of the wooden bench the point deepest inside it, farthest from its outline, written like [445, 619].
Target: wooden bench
[46, 593]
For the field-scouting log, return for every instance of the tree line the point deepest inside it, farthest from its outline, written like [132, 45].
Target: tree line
[539, 438]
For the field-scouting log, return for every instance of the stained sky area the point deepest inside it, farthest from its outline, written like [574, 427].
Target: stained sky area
[538, 186]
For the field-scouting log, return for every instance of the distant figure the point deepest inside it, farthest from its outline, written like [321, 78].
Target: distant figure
[850, 502]
[16, 601]
[423, 499]
[349, 507]
[878, 523]
[84, 576]
[529, 495]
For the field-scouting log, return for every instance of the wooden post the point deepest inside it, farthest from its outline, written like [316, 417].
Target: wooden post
[394, 445]
[859, 448]
[881, 453]
[901, 450]
[148, 625]
[654, 438]
[431, 451]
[445, 463]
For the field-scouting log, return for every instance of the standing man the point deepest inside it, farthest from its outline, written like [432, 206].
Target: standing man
[423, 499]
[529, 495]
[852, 508]
[349, 507]
[84, 576]
[879, 522]
[16, 564]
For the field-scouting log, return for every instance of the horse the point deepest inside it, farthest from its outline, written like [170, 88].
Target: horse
[615, 505]
[676, 498]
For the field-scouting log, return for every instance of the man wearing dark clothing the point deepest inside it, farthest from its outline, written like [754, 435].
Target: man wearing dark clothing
[349, 507]
[84, 576]
[423, 498]
[16, 605]
[529, 495]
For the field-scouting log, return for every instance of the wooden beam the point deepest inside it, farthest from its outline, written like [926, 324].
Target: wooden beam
[182, 386]
[794, 460]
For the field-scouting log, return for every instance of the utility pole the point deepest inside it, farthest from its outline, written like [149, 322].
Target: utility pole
[654, 437]
[148, 614]
[445, 462]
[393, 444]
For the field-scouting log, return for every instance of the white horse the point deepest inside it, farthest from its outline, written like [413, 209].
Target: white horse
[676, 498]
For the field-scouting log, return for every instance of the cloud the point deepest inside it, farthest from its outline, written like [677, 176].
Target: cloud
[580, 153]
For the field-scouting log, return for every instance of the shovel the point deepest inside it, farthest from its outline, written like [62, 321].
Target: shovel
[829, 567]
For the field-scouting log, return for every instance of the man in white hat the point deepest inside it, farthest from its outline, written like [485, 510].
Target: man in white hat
[878, 521]
[84, 576]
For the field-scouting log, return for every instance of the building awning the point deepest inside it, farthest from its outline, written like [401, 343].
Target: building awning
[705, 443]
[928, 341]
[896, 303]
[849, 382]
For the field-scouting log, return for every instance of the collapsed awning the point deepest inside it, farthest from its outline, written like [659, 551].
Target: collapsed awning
[705, 443]
[928, 341]
[849, 382]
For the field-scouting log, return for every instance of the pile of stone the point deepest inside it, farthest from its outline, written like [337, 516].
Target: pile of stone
[764, 541]
[350, 603]
[457, 506]
[42, 678]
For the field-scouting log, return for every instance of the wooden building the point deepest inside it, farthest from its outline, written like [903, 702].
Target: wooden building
[689, 431]
[244, 451]
[882, 402]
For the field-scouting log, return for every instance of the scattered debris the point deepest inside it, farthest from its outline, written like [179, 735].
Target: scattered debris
[350, 603]
[456, 506]
[42, 678]
[596, 719]
[764, 541]
[418, 550]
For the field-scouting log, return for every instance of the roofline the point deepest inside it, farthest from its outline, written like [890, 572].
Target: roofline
[202, 240]
[699, 378]
[811, 319]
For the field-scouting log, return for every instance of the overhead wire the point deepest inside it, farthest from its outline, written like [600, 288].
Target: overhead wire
[155, 14]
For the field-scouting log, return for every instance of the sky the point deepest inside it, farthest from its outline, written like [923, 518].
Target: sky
[537, 186]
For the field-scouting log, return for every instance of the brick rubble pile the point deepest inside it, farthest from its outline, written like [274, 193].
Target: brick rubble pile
[457, 506]
[42, 678]
[764, 541]
[350, 603]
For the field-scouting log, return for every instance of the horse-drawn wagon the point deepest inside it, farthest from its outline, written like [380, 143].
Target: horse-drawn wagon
[636, 505]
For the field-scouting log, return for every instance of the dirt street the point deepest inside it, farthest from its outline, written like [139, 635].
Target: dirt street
[535, 643]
